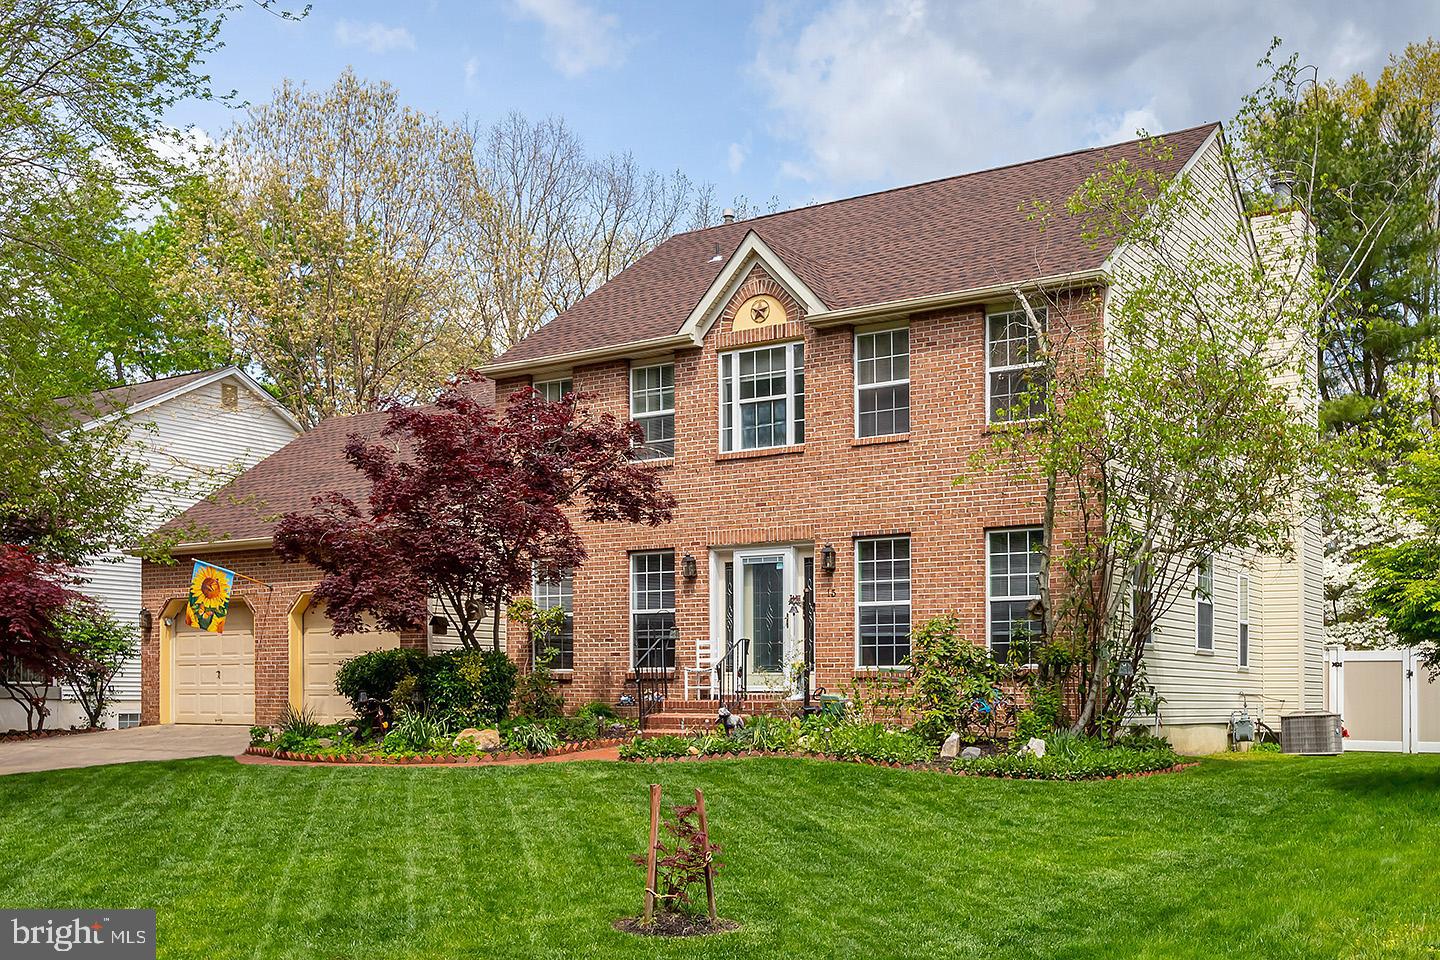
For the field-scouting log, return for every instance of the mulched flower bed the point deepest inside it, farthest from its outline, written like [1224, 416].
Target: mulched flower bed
[674, 925]
[934, 766]
[376, 759]
[17, 735]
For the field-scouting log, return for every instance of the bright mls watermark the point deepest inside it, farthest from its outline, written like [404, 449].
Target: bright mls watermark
[116, 934]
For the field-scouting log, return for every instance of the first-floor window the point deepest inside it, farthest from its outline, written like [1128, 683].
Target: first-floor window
[1205, 603]
[1242, 616]
[883, 600]
[1014, 587]
[548, 595]
[652, 609]
[18, 673]
[554, 390]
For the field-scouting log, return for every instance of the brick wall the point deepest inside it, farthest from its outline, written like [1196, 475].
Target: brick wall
[162, 583]
[831, 490]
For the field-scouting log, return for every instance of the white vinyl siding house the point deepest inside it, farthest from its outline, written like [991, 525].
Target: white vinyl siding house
[199, 435]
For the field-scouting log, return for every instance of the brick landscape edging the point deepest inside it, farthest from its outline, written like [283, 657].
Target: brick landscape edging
[445, 760]
[935, 767]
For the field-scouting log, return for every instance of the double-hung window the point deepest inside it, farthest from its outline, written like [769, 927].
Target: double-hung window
[549, 595]
[554, 390]
[1205, 604]
[652, 405]
[883, 600]
[652, 609]
[1013, 367]
[1242, 617]
[882, 382]
[762, 397]
[1014, 587]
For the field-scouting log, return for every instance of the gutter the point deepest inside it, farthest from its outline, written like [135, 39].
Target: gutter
[614, 351]
[245, 543]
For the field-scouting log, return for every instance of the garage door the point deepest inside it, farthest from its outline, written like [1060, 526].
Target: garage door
[1387, 700]
[324, 652]
[215, 672]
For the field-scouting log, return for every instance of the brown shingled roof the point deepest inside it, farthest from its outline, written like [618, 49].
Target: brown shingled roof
[940, 237]
[249, 506]
[102, 402]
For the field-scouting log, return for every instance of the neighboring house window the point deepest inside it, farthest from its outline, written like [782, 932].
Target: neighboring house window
[127, 720]
[652, 405]
[25, 674]
[1205, 604]
[554, 390]
[652, 609]
[1013, 366]
[1014, 586]
[549, 594]
[1242, 616]
[883, 600]
[762, 397]
[882, 382]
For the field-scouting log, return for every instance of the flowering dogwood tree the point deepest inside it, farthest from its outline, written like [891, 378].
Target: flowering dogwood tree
[466, 506]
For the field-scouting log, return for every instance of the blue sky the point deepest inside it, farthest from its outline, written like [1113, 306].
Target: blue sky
[812, 100]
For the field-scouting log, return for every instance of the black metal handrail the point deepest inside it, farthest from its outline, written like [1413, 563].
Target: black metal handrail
[652, 679]
[730, 675]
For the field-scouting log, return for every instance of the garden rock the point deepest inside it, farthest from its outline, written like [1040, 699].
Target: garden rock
[482, 739]
[1035, 748]
[325, 743]
[970, 753]
[951, 747]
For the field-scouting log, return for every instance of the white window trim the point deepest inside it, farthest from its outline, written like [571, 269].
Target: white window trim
[855, 376]
[899, 667]
[735, 430]
[670, 411]
[1201, 598]
[1010, 368]
[989, 597]
[1242, 582]
[630, 586]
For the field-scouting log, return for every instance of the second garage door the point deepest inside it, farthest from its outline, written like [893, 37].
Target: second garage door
[324, 652]
[215, 672]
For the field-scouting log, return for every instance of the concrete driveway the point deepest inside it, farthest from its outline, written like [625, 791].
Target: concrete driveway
[122, 746]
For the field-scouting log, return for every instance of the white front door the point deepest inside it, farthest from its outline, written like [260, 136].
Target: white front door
[765, 578]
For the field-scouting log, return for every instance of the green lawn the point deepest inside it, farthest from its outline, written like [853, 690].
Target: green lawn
[1263, 857]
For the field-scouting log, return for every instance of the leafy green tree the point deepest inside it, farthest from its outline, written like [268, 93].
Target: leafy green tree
[98, 646]
[1404, 585]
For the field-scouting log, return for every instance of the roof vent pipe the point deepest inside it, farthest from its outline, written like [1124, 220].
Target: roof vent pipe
[727, 215]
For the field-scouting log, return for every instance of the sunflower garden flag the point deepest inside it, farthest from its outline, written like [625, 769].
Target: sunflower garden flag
[209, 599]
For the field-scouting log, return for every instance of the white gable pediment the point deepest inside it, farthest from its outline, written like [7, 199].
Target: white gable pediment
[751, 252]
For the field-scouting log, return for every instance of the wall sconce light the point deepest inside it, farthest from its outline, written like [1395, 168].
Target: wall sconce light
[439, 626]
[146, 619]
[827, 558]
[688, 568]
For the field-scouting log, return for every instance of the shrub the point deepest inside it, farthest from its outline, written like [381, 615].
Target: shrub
[468, 687]
[646, 748]
[1042, 716]
[532, 738]
[1070, 757]
[769, 733]
[491, 676]
[98, 647]
[298, 723]
[950, 679]
[874, 741]
[376, 674]
[413, 732]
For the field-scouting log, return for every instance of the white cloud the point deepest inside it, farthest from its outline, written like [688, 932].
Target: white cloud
[735, 157]
[578, 37]
[863, 92]
[472, 71]
[373, 36]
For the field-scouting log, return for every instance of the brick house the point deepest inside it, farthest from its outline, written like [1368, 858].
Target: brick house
[811, 383]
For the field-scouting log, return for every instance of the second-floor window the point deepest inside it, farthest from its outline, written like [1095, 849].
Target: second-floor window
[1205, 604]
[652, 405]
[762, 397]
[1013, 367]
[1242, 617]
[554, 390]
[882, 382]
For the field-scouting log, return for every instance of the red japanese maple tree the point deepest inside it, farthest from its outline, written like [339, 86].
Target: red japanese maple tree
[33, 655]
[465, 504]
